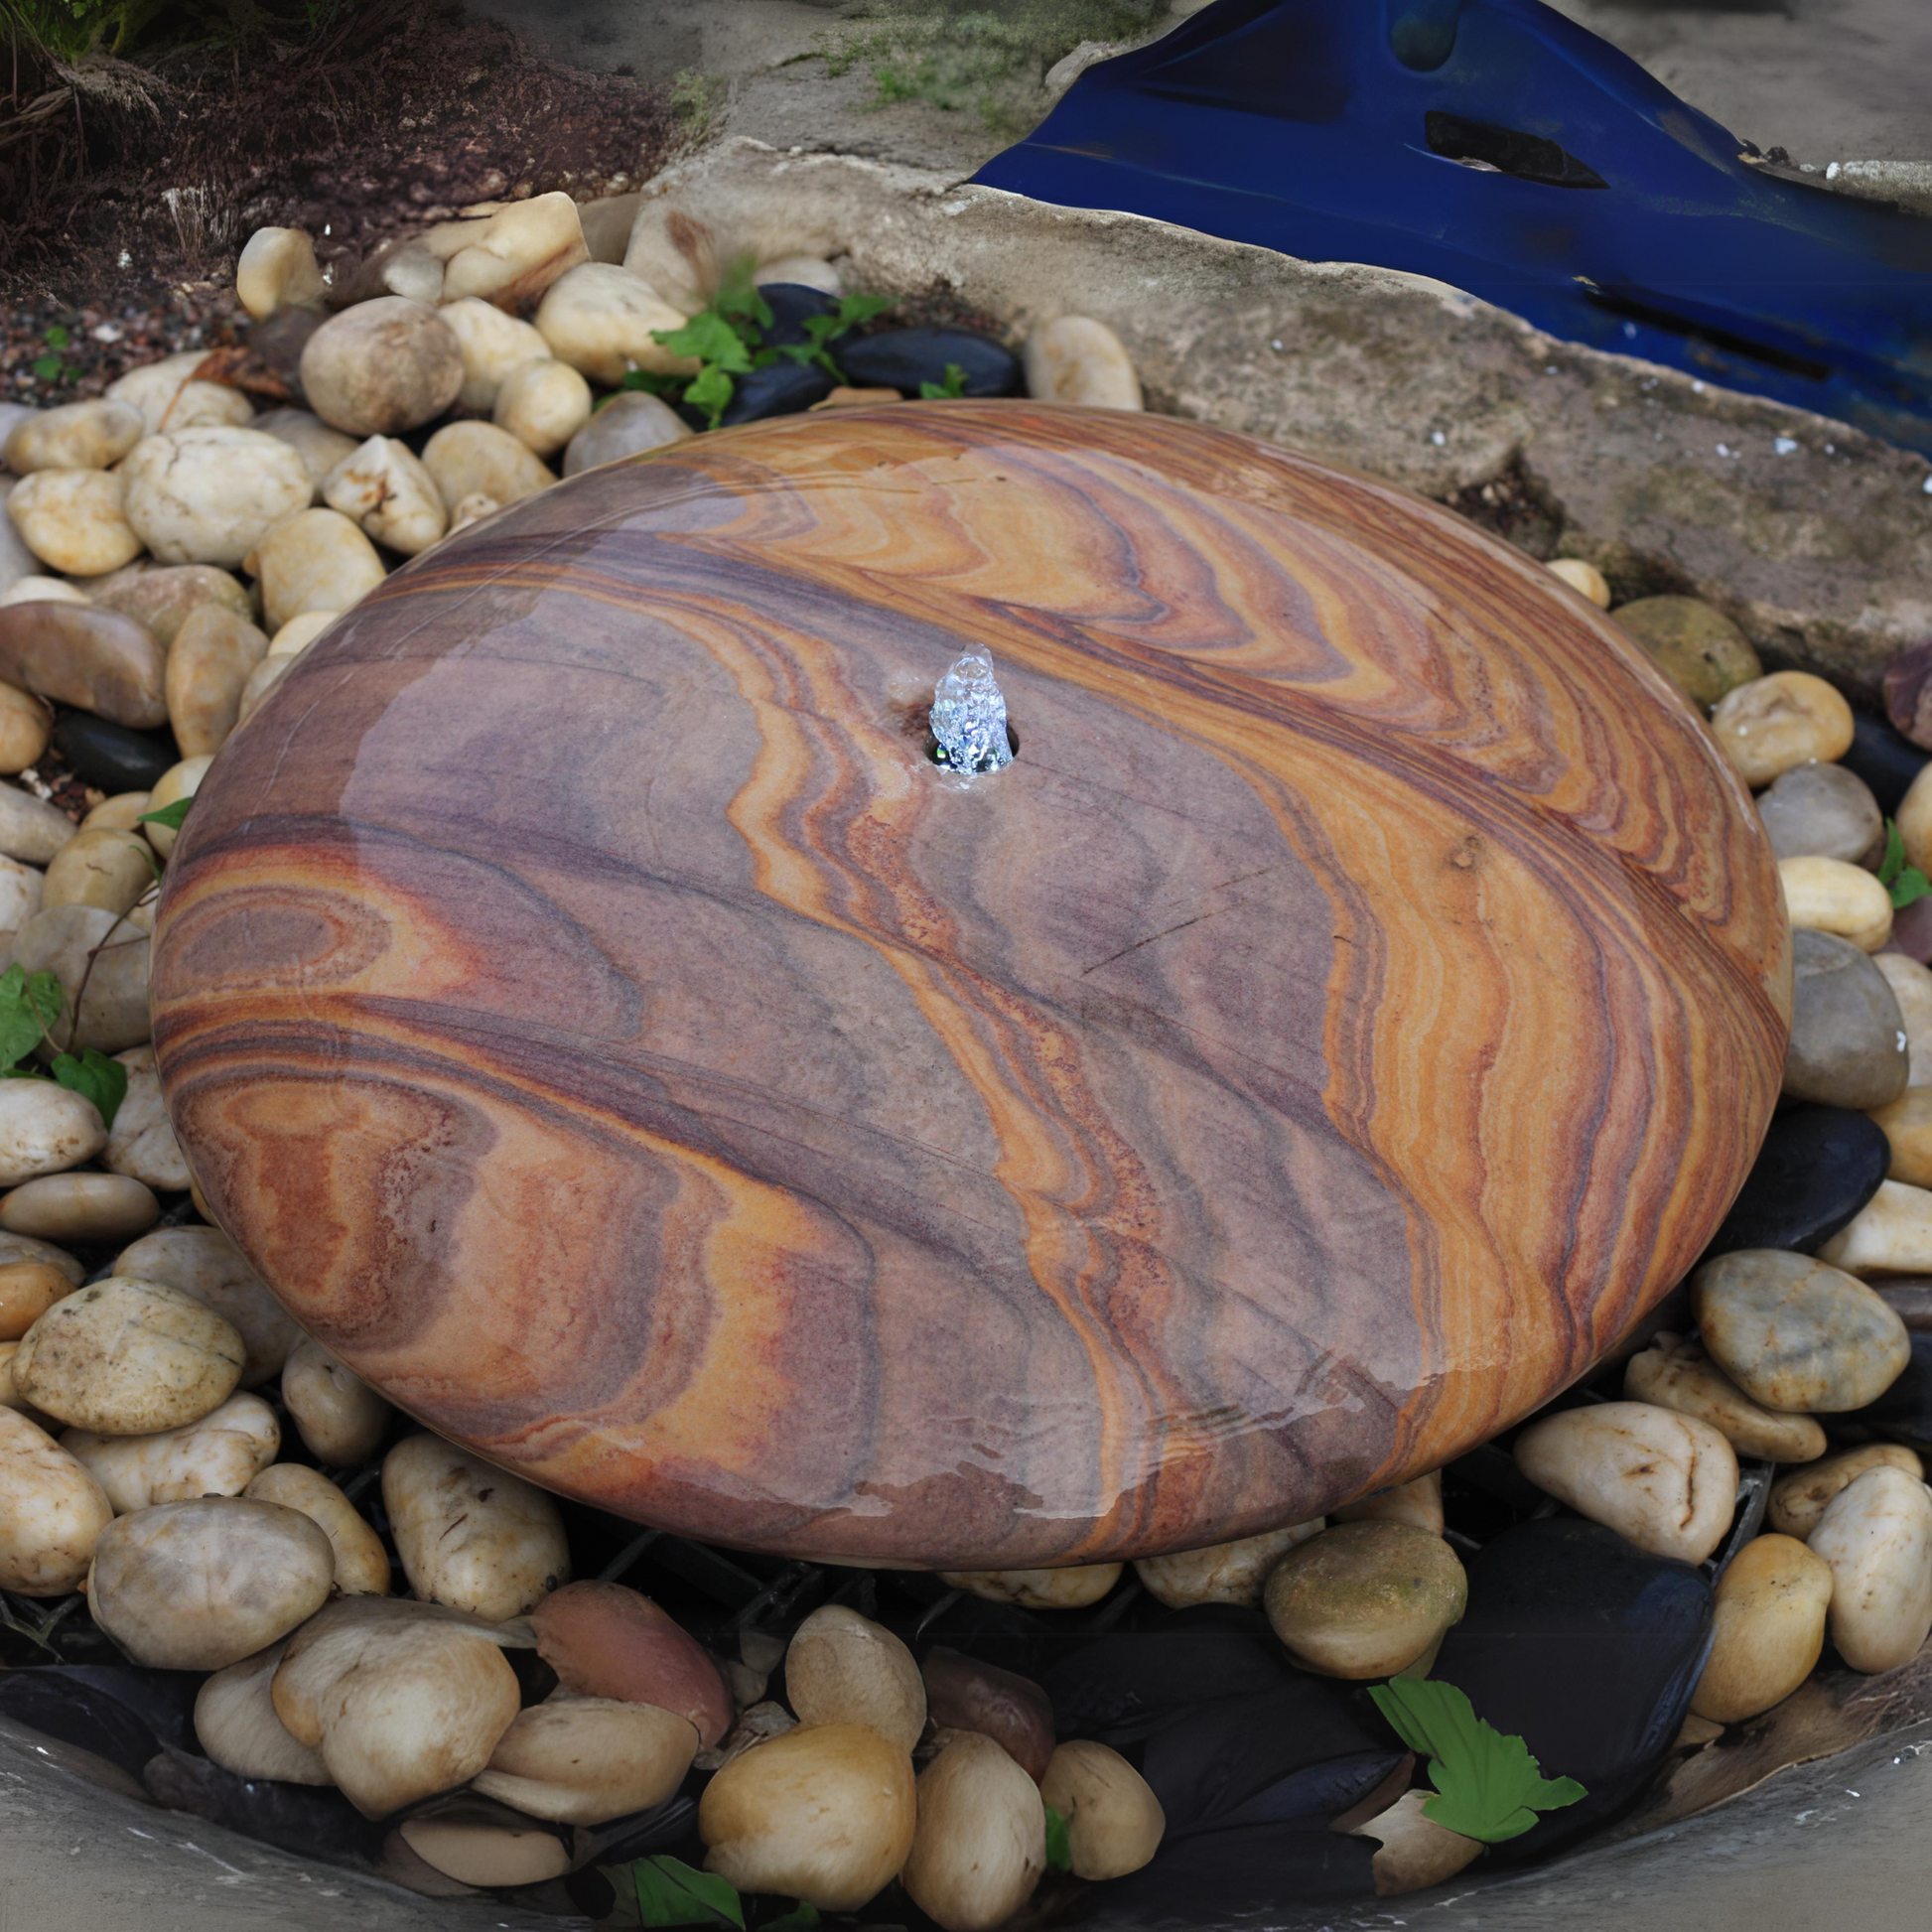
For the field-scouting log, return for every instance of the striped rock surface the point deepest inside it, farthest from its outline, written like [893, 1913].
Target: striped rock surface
[592, 1012]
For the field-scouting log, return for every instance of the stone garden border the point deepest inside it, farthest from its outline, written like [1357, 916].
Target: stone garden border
[1815, 538]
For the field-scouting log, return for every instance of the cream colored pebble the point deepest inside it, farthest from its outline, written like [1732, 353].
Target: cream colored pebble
[1076, 359]
[1584, 579]
[1876, 1535]
[1914, 821]
[492, 344]
[1892, 1234]
[74, 520]
[1830, 895]
[42, 590]
[384, 488]
[277, 270]
[1774, 723]
[1071, 1588]
[179, 782]
[543, 403]
[300, 633]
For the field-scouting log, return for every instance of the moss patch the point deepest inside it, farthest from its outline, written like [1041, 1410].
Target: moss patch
[988, 59]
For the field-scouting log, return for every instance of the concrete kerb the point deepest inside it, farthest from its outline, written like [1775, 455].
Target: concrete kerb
[1817, 539]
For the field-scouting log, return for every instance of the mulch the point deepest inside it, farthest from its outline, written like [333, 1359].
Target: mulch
[121, 209]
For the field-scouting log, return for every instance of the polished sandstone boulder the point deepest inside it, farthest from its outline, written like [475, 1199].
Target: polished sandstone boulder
[593, 1013]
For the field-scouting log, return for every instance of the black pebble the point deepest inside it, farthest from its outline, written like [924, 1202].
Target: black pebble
[111, 757]
[790, 304]
[1906, 1409]
[1884, 758]
[1817, 1167]
[902, 359]
[782, 389]
[1588, 1649]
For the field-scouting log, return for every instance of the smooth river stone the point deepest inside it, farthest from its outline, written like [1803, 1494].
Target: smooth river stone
[1821, 811]
[77, 654]
[1676, 1374]
[698, 1102]
[904, 358]
[1892, 1234]
[1772, 1604]
[1798, 1500]
[1911, 986]
[1664, 1480]
[630, 423]
[110, 756]
[1694, 644]
[1797, 1334]
[1876, 1536]
[1817, 1167]
[1907, 1127]
[1847, 1046]
[162, 599]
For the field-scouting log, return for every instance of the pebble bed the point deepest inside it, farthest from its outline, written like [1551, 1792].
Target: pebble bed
[231, 1572]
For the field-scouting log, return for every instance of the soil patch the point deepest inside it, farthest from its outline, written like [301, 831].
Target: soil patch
[131, 186]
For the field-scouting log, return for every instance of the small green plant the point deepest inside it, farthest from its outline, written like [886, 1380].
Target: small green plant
[668, 1891]
[1488, 1787]
[986, 55]
[727, 340]
[695, 102]
[70, 29]
[172, 816]
[1906, 884]
[49, 367]
[953, 385]
[1059, 1854]
[821, 331]
[30, 1006]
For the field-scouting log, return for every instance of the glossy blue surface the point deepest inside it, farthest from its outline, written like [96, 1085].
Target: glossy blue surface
[1605, 210]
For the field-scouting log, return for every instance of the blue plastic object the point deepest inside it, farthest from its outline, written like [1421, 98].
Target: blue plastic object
[1494, 145]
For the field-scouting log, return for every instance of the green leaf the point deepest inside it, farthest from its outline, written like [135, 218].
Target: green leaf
[954, 385]
[94, 1077]
[1489, 1785]
[855, 309]
[668, 1891]
[711, 338]
[168, 815]
[711, 390]
[1910, 885]
[1059, 1858]
[48, 999]
[650, 381]
[813, 354]
[801, 1915]
[58, 336]
[46, 368]
[1894, 863]
[739, 301]
[21, 1024]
